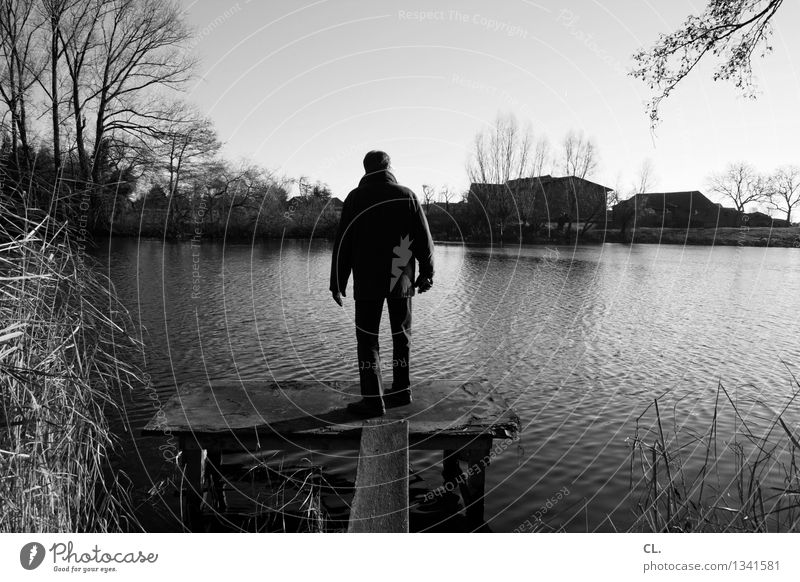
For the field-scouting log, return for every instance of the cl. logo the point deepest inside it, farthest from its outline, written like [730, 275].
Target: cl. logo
[31, 555]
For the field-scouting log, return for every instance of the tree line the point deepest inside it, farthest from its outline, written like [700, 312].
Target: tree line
[121, 151]
[93, 127]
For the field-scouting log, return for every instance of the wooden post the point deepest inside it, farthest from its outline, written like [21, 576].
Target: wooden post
[214, 481]
[192, 469]
[380, 503]
[451, 468]
[473, 490]
[471, 481]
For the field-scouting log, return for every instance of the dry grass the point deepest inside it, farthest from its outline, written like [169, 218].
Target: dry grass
[745, 482]
[63, 353]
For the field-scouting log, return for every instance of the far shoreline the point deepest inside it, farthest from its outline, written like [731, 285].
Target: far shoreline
[767, 237]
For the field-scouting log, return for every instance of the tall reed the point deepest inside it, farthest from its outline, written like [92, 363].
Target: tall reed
[747, 481]
[64, 353]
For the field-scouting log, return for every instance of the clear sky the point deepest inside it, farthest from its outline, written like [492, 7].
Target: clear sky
[308, 87]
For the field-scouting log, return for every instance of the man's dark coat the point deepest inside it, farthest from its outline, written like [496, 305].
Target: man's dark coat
[382, 230]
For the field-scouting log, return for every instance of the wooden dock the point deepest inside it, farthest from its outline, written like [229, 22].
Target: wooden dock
[380, 503]
[459, 418]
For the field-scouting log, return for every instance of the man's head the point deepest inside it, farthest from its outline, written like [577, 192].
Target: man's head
[375, 161]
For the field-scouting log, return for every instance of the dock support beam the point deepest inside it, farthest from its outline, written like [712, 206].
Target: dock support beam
[192, 466]
[380, 503]
[471, 480]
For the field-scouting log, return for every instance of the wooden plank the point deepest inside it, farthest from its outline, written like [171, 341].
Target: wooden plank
[315, 443]
[316, 412]
[192, 465]
[470, 482]
[380, 504]
[473, 490]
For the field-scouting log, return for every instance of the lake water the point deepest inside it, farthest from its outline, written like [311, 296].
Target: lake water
[580, 340]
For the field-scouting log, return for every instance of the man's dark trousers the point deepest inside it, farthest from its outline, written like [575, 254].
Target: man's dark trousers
[368, 320]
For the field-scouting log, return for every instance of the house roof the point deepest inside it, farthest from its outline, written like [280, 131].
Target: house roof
[485, 187]
[539, 181]
[688, 199]
[548, 179]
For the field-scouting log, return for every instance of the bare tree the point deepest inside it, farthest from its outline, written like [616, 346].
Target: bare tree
[579, 155]
[116, 51]
[645, 178]
[634, 206]
[730, 30]
[615, 196]
[188, 139]
[542, 160]
[222, 188]
[502, 153]
[740, 184]
[78, 34]
[52, 11]
[579, 159]
[446, 194]
[20, 68]
[428, 195]
[142, 47]
[784, 190]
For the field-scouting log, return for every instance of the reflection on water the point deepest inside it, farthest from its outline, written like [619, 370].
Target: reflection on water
[580, 340]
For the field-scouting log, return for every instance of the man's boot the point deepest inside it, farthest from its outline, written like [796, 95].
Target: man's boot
[367, 407]
[400, 396]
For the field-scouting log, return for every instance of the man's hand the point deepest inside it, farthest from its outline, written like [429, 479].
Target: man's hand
[337, 296]
[423, 283]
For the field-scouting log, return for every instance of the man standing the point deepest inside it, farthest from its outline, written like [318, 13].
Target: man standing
[382, 231]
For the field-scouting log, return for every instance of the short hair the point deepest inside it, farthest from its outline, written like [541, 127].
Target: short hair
[376, 160]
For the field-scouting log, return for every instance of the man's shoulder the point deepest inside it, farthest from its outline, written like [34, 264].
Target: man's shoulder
[393, 187]
[402, 191]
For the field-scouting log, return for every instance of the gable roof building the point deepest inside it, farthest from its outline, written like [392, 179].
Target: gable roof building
[544, 198]
[686, 209]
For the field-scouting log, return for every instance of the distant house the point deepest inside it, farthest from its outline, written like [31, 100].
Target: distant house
[728, 217]
[760, 219]
[687, 209]
[542, 199]
[670, 209]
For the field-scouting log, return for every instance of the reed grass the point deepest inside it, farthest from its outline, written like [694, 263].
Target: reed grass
[64, 360]
[747, 481]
